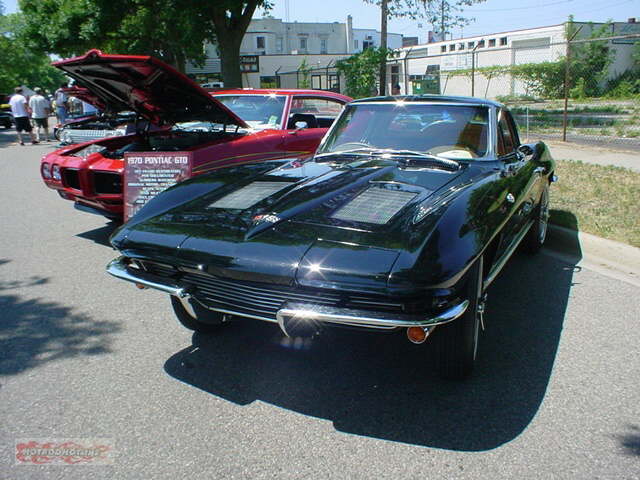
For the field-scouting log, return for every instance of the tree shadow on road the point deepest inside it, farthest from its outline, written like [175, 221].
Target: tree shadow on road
[379, 385]
[34, 331]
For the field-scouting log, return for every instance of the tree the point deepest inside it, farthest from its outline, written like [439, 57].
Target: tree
[444, 13]
[21, 63]
[361, 71]
[173, 31]
[305, 70]
[589, 60]
[231, 19]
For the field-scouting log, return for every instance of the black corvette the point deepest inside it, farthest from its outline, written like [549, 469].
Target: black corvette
[405, 215]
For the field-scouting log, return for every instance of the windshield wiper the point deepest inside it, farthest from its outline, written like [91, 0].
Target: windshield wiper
[350, 152]
[407, 157]
[422, 158]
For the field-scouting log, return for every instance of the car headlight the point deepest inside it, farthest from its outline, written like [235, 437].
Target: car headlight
[46, 171]
[55, 173]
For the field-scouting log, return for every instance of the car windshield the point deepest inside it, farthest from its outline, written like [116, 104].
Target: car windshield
[258, 111]
[451, 131]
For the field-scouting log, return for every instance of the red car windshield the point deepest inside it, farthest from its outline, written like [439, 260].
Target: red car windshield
[259, 111]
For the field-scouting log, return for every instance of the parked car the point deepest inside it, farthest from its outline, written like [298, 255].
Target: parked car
[220, 128]
[400, 222]
[6, 119]
[84, 127]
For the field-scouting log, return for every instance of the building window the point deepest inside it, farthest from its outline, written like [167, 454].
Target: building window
[452, 47]
[279, 46]
[471, 44]
[355, 44]
[323, 45]
[503, 41]
[443, 48]
[269, 82]
[334, 83]
[461, 46]
[481, 44]
[367, 44]
[316, 82]
[303, 43]
[492, 42]
[260, 43]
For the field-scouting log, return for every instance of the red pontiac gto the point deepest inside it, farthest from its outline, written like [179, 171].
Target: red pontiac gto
[222, 128]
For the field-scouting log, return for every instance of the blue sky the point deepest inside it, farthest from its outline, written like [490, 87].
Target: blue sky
[491, 16]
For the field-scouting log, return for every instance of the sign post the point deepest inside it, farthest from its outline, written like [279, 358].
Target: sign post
[148, 173]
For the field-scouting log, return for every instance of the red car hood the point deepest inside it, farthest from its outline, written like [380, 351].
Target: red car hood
[147, 86]
[86, 96]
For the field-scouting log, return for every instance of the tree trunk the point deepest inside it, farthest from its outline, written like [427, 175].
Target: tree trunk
[384, 13]
[230, 25]
[230, 60]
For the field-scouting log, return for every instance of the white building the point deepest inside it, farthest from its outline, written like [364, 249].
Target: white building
[271, 47]
[432, 68]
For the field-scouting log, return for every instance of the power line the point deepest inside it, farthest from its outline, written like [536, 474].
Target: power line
[516, 8]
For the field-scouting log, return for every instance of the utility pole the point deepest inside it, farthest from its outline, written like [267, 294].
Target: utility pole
[384, 12]
[442, 21]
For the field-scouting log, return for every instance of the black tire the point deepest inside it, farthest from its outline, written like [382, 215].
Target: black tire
[205, 321]
[457, 341]
[537, 234]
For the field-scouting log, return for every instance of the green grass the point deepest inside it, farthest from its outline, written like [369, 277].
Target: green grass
[597, 199]
[612, 109]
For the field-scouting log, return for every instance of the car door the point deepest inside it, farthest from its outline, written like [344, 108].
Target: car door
[318, 113]
[517, 178]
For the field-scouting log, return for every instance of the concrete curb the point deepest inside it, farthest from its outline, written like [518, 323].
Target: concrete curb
[616, 259]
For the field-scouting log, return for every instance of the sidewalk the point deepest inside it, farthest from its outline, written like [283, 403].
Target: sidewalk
[594, 154]
[615, 259]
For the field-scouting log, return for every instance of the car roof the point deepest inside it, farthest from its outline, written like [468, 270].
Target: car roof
[431, 99]
[279, 91]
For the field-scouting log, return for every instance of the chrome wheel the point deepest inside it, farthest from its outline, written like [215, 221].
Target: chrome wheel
[543, 219]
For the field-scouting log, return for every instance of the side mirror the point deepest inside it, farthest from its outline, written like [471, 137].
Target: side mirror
[300, 125]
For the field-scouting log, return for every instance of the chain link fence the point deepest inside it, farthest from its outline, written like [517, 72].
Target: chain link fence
[584, 91]
[318, 78]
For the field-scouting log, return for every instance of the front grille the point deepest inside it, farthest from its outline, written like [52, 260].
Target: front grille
[71, 135]
[107, 182]
[71, 178]
[264, 300]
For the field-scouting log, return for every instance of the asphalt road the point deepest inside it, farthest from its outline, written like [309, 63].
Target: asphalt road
[82, 355]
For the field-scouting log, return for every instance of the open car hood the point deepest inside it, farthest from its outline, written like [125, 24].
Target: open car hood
[86, 96]
[147, 86]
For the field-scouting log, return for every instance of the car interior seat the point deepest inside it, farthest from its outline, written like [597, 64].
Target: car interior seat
[311, 120]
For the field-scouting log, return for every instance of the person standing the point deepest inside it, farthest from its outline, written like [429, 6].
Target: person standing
[40, 109]
[61, 104]
[20, 111]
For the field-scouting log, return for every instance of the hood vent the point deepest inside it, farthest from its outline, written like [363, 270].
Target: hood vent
[249, 195]
[375, 205]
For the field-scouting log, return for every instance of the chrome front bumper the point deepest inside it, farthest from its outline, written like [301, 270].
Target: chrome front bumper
[303, 312]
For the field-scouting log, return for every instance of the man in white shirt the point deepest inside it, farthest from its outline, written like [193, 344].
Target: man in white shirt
[20, 111]
[61, 104]
[40, 109]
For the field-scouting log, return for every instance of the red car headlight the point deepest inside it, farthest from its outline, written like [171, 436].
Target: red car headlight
[55, 173]
[46, 171]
